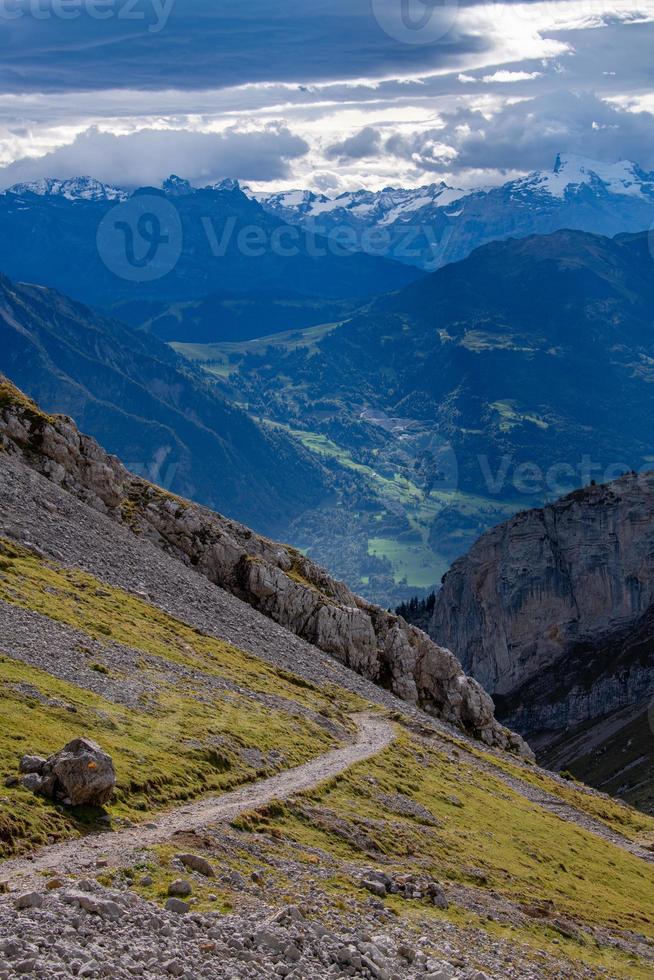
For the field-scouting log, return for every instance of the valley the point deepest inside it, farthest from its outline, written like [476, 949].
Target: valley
[445, 408]
[382, 435]
[326, 490]
[395, 530]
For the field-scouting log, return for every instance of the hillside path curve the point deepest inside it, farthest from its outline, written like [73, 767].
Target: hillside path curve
[374, 734]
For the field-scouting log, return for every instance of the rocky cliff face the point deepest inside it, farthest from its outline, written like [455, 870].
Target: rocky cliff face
[533, 587]
[275, 579]
[553, 613]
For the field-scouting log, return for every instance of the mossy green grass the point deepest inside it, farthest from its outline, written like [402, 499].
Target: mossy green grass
[108, 614]
[625, 820]
[185, 738]
[485, 837]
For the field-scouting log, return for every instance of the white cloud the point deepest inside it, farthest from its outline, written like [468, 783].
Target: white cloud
[148, 156]
[280, 131]
[511, 76]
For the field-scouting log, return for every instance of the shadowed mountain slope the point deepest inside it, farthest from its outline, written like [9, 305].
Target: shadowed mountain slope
[150, 407]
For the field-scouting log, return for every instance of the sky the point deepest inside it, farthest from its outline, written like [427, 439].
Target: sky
[331, 95]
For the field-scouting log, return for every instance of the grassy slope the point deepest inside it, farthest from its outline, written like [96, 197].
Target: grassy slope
[486, 838]
[633, 824]
[222, 358]
[187, 739]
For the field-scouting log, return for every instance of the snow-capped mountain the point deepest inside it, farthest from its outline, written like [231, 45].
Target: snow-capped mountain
[433, 225]
[428, 226]
[572, 172]
[51, 232]
[73, 189]
[367, 207]
[176, 186]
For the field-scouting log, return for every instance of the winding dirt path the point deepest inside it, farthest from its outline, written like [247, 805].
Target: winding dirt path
[373, 735]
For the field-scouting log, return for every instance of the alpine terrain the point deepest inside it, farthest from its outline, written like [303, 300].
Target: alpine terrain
[150, 407]
[326, 490]
[453, 404]
[219, 762]
[196, 243]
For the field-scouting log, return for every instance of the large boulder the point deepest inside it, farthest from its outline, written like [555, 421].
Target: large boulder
[81, 774]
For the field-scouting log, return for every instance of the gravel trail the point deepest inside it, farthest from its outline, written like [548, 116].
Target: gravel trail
[373, 735]
[83, 538]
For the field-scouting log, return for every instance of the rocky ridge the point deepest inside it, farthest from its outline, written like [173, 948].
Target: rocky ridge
[276, 580]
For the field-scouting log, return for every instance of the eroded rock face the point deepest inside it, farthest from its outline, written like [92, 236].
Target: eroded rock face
[275, 579]
[541, 583]
[553, 612]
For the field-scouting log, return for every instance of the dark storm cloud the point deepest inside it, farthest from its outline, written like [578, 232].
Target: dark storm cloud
[365, 143]
[148, 156]
[204, 43]
[528, 135]
[342, 88]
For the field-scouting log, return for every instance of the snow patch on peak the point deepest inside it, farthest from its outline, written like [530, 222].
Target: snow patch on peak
[572, 170]
[229, 184]
[377, 207]
[291, 204]
[73, 189]
[177, 186]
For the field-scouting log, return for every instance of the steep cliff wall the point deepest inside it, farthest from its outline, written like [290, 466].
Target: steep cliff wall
[275, 579]
[553, 612]
[533, 587]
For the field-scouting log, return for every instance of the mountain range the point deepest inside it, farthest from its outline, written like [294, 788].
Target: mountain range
[379, 420]
[434, 225]
[386, 438]
[427, 226]
[137, 253]
[384, 442]
[251, 264]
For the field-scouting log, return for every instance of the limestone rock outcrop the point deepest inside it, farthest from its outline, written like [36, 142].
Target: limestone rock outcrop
[533, 587]
[553, 612]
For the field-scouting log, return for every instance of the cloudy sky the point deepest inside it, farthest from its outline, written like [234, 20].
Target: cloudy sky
[328, 94]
